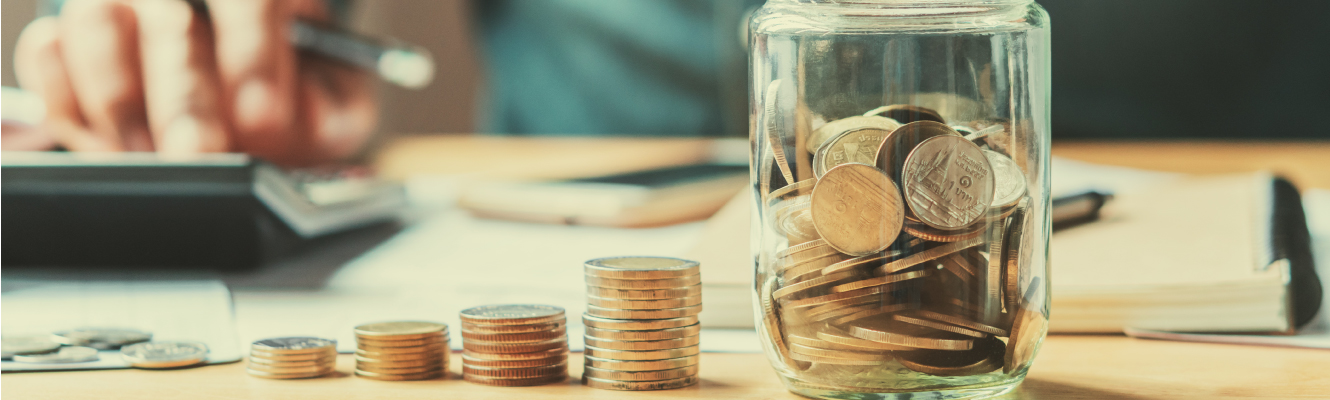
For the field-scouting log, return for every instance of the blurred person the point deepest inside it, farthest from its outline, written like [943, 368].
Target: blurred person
[161, 75]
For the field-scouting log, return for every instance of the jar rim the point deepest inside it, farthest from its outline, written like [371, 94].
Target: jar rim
[904, 3]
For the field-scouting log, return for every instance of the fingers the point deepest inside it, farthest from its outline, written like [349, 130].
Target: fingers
[99, 43]
[182, 88]
[257, 66]
[41, 68]
[339, 112]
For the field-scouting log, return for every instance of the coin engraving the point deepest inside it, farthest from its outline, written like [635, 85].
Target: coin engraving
[948, 182]
[857, 209]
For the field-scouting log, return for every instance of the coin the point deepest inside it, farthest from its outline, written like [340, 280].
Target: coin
[641, 268]
[641, 345]
[924, 322]
[400, 356]
[837, 354]
[436, 340]
[70, 354]
[512, 314]
[897, 148]
[841, 338]
[927, 255]
[948, 182]
[294, 345]
[483, 329]
[408, 377]
[536, 355]
[510, 382]
[824, 299]
[279, 369]
[774, 328]
[560, 369]
[809, 269]
[809, 285]
[880, 281]
[816, 315]
[639, 376]
[644, 314]
[429, 348]
[835, 361]
[902, 334]
[667, 384]
[636, 325]
[905, 113]
[640, 284]
[854, 146]
[857, 209]
[644, 294]
[961, 265]
[1026, 333]
[986, 356]
[366, 367]
[539, 362]
[839, 127]
[1008, 180]
[399, 330]
[795, 221]
[806, 256]
[887, 309]
[873, 260]
[923, 231]
[330, 352]
[516, 337]
[32, 344]
[822, 344]
[795, 188]
[304, 375]
[954, 320]
[375, 363]
[154, 355]
[309, 363]
[641, 354]
[501, 347]
[774, 128]
[101, 338]
[819, 244]
[662, 334]
[1017, 250]
[640, 365]
[644, 304]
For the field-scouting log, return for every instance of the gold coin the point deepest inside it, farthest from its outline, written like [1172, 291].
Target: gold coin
[775, 328]
[401, 330]
[441, 360]
[837, 307]
[280, 369]
[857, 209]
[645, 294]
[924, 322]
[986, 356]
[855, 146]
[837, 354]
[517, 337]
[436, 340]
[905, 113]
[819, 244]
[501, 347]
[834, 297]
[639, 386]
[510, 382]
[795, 220]
[927, 255]
[839, 312]
[641, 268]
[536, 355]
[640, 365]
[887, 281]
[835, 336]
[310, 363]
[949, 182]
[644, 304]
[644, 314]
[592, 321]
[836, 128]
[398, 371]
[640, 284]
[887, 309]
[1026, 333]
[630, 355]
[539, 362]
[1017, 247]
[325, 353]
[857, 262]
[641, 344]
[560, 369]
[400, 356]
[811, 268]
[294, 345]
[959, 267]
[902, 334]
[773, 128]
[795, 188]
[639, 376]
[270, 375]
[810, 285]
[504, 329]
[409, 377]
[923, 231]
[822, 344]
[803, 257]
[954, 320]
[512, 314]
[663, 334]
[429, 348]
[834, 361]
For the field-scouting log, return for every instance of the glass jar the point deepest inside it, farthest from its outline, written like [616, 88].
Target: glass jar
[900, 167]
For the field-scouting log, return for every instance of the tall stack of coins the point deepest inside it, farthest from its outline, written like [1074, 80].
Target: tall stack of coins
[514, 345]
[641, 323]
[292, 357]
[906, 244]
[402, 350]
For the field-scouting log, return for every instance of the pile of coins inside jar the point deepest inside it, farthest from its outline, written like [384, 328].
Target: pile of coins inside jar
[641, 323]
[907, 244]
[402, 350]
[292, 357]
[514, 345]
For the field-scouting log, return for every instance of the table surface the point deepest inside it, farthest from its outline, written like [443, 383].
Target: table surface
[1068, 366]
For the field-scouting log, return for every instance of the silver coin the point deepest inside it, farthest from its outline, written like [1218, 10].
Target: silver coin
[101, 338]
[72, 354]
[1008, 180]
[506, 314]
[298, 344]
[640, 267]
[34, 344]
[948, 182]
[153, 355]
[854, 146]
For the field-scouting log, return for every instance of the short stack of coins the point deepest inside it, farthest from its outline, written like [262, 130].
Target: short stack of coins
[514, 345]
[641, 323]
[906, 243]
[402, 350]
[292, 357]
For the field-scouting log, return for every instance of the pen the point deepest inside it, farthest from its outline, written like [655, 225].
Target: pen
[1078, 209]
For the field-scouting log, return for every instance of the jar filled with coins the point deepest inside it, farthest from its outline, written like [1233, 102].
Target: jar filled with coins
[900, 165]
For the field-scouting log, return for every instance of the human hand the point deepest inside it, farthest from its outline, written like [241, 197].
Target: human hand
[158, 75]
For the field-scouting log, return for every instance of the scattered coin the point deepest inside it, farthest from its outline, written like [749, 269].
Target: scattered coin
[155, 355]
[857, 209]
[69, 354]
[101, 338]
[32, 344]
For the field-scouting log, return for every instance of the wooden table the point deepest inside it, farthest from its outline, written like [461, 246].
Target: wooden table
[1068, 367]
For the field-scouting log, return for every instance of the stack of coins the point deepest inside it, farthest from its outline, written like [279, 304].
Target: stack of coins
[906, 243]
[514, 345]
[402, 350]
[292, 357]
[641, 323]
